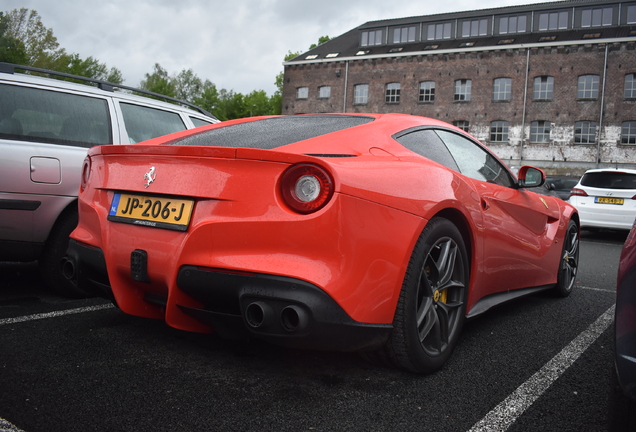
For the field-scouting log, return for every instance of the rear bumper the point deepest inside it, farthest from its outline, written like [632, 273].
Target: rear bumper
[604, 215]
[281, 310]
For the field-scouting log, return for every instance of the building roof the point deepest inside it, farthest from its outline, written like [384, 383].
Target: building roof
[347, 46]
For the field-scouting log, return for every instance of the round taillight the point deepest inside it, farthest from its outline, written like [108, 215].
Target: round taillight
[86, 172]
[306, 188]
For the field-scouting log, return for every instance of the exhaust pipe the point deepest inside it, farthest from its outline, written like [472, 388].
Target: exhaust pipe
[294, 318]
[259, 315]
[68, 268]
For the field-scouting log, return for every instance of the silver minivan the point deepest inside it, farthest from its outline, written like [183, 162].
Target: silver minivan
[46, 127]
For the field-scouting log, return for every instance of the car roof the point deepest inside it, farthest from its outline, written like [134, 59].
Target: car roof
[102, 88]
[617, 170]
[298, 128]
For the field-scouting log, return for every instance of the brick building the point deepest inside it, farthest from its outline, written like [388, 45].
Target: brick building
[549, 84]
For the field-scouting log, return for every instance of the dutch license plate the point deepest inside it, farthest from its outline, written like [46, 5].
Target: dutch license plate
[153, 211]
[605, 200]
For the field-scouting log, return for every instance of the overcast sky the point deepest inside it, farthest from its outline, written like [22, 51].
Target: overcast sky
[239, 45]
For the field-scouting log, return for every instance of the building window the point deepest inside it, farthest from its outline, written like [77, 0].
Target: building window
[588, 87]
[324, 92]
[404, 34]
[392, 94]
[475, 28]
[597, 17]
[499, 131]
[302, 92]
[553, 21]
[462, 89]
[585, 132]
[543, 88]
[360, 93]
[631, 14]
[427, 91]
[371, 37]
[439, 31]
[630, 86]
[628, 132]
[501, 89]
[513, 24]
[540, 131]
[462, 124]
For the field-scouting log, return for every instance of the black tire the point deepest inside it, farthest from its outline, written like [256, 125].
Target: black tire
[569, 261]
[432, 306]
[54, 251]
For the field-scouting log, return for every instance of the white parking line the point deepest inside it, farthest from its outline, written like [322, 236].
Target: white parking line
[54, 314]
[504, 414]
[611, 291]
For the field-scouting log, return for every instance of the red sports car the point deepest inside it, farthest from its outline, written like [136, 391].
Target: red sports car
[373, 233]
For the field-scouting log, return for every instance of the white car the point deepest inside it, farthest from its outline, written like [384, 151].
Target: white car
[606, 198]
[46, 127]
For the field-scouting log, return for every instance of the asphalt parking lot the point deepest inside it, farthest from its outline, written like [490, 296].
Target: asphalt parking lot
[539, 363]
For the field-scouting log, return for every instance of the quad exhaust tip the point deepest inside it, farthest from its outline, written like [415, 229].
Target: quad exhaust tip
[294, 318]
[261, 315]
[67, 267]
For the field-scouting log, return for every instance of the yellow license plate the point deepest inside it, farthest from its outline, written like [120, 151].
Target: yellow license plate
[153, 211]
[604, 200]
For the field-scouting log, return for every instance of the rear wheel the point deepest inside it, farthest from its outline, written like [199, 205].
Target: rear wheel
[569, 261]
[432, 304]
[54, 251]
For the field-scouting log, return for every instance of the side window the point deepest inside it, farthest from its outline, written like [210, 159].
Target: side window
[426, 143]
[474, 161]
[198, 122]
[143, 123]
[32, 114]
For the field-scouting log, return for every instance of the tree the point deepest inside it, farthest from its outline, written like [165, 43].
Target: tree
[209, 98]
[258, 104]
[321, 40]
[25, 40]
[11, 49]
[188, 85]
[89, 67]
[41, 47]
[159, 82]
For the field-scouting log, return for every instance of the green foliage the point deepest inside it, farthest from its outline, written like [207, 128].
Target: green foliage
[89, 67]
[26, 41]
[290, 55]
[321, 40]
[11, 49]
[41, 47]
[159, 82]
[188, 85]
[209, 98]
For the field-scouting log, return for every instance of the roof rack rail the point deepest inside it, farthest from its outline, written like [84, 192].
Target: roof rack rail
[104, 85]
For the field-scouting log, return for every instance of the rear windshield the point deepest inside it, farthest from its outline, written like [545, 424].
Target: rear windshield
[609, 180]
[273, 132]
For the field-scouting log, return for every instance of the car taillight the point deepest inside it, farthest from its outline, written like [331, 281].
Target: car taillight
[86, 173]
[578, 192]
[306, 188]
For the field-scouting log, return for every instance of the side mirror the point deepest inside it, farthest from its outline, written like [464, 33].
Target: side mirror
[530, 177]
